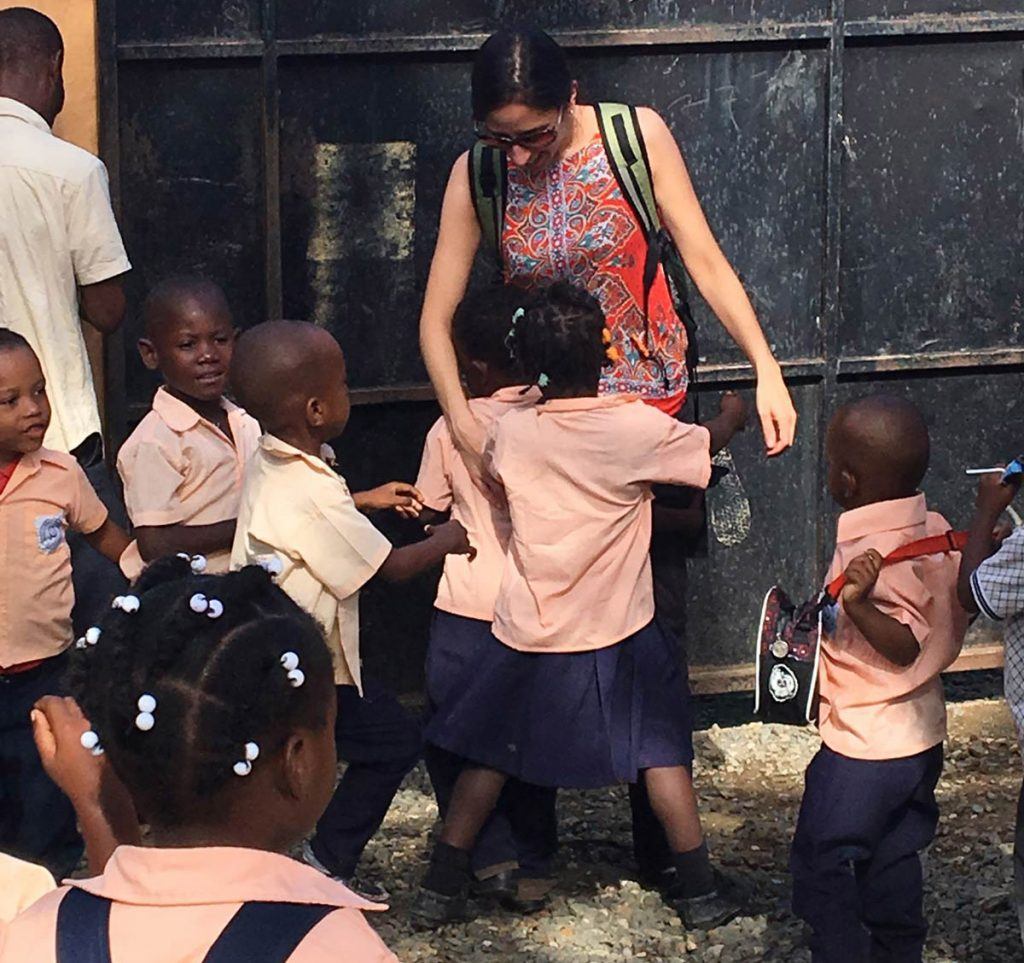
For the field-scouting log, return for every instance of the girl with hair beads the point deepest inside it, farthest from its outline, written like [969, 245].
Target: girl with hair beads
[213, 698]
[579, 687]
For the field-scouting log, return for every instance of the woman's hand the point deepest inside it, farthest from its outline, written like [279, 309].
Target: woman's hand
[775, 407]
[469, 438]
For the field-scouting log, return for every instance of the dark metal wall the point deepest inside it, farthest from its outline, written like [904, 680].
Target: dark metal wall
[860, 162]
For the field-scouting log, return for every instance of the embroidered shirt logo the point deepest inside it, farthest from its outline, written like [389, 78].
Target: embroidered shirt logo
[50, 532]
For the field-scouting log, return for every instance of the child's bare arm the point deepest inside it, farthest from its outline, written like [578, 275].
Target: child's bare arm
[110, 540]
[993, 499]
[730, 420]
[411, 560]
[887, 636]
[156, 541]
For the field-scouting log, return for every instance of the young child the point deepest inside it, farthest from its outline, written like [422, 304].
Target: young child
[43, 494]
[511, 858]
[298, 511]
[212, 697]
[182, 466]
[992, 582]
[578, 686]
[869, 799]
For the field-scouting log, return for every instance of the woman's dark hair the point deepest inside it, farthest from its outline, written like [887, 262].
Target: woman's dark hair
[482, 323]
[559, 339]
[218, 684]
[520, 65]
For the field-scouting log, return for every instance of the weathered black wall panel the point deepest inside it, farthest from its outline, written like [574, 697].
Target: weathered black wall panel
[933, 8]
[190, 186]
[154, 21]
[302, 18]
[932, 198]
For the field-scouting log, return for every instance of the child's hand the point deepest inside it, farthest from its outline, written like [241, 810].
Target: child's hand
[404, 498]
[993, 496]
[454, 538]
[861, 575]
[57, 727]
[734, 407]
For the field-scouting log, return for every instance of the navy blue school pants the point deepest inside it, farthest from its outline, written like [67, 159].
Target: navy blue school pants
[37, 821]
[381, 743]
[96, 579]
[521, 832]
[855, 861]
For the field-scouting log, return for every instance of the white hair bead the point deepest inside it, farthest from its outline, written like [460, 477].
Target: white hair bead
[242, 768]
[89, 739]
[97, 751]
[92, 636]
[270, 564]
[290, 661]
[80, 643]
[198, 564]
[198, 603]
[145, 721]
[126, 603]
[252, 751]
[296, 677]
[146, 703]
[184, 555]
[215, 610]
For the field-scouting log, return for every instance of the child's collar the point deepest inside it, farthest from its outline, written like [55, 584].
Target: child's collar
[884, 516]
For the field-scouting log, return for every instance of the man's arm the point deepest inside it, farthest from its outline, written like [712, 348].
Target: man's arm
[103, 304]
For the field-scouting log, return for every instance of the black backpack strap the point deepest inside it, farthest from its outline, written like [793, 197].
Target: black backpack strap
[83, 928]
[488, 186]
[266, 932]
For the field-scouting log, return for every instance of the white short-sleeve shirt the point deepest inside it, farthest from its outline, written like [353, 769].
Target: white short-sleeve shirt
[57, 231]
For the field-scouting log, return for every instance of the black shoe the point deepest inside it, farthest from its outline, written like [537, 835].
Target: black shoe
[430, 909]
[531, 895]
[497, 888]
[707, 911]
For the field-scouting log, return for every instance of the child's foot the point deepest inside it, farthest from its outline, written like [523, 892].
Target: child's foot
[431, 909]
[512, 891]
[371, 891]
[707, 911]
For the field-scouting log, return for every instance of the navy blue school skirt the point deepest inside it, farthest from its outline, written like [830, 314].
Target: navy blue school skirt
[574, 720]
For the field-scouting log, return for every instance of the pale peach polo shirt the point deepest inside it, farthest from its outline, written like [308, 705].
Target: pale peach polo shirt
[180, 469]
[870, 707]
[21, 884]
[47, 494]
[297, 508]
[469, 588]
[578, 475]
[57, 231]
[170, 905]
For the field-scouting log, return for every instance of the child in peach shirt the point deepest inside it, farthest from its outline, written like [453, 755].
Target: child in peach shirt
[43, 495]
[182, 467]
[869, 801]
[579, 686]
[213, 698]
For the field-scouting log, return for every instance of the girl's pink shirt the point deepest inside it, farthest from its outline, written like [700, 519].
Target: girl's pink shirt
[170, 905]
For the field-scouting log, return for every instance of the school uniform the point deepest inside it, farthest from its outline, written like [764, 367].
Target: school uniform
[172, 906]
[998, 588]
[295, 507]
[180, 469]
[579, 687]
[21, 884]
[44, 494]
[522, 832]
[869, 800]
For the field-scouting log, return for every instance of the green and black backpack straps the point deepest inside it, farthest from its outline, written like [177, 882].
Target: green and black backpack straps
[627, 156]
[488, 186]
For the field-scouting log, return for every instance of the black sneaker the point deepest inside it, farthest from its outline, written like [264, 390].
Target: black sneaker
[371, 891]
[707, 911]
[497, 888]
[431, 909]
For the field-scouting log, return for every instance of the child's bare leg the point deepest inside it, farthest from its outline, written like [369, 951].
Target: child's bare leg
[473, 800]
[675, 804]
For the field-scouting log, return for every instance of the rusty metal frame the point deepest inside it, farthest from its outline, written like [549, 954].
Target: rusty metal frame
[834, 34]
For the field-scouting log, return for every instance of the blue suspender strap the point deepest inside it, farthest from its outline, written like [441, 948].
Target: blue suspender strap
[83, 928]
[265, 932]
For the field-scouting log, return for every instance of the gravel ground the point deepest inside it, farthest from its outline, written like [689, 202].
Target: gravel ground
[749, 778]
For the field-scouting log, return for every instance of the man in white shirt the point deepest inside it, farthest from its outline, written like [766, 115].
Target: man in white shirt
[60, 254]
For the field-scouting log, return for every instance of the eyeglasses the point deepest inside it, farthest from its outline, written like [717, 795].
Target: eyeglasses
[530, 140]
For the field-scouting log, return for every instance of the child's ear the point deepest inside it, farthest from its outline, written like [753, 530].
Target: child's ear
[148, 353]
[294, 775]
[315, 413]
[848, 483]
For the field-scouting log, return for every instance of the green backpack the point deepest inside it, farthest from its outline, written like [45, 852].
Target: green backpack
[627, 154]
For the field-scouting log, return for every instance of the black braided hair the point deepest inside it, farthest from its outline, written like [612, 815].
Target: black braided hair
[12, 341]
[218, 684]
[482, 325]
[559, 340]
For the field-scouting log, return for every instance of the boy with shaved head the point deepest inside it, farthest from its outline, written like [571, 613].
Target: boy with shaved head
[298, 512]
[869, 799]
